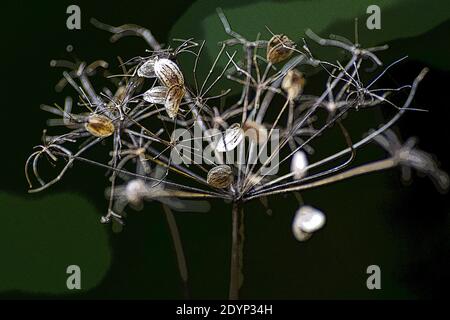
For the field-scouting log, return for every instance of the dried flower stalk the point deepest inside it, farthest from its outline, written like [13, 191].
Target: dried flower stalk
[142, 164]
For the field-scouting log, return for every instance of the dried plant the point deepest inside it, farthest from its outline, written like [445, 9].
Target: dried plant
[151, 99]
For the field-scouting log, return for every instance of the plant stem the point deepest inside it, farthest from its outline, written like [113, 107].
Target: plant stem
[182, 267]
[237, 246]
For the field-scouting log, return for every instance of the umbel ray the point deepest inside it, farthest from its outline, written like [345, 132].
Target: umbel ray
[137, 114]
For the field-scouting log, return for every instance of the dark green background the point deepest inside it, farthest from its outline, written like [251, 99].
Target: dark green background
[371, 220]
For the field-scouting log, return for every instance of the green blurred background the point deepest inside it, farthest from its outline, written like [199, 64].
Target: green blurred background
[371, 220]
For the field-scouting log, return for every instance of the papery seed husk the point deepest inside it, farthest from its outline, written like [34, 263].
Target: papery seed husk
[309, 219]
[99, 126]
[168, 73]
[174, 96]
[230, 138]
[255, 131]
[279, 48]
[293, 83]
[147, 69]
[299, 164]
[220, 177]
[156, 95]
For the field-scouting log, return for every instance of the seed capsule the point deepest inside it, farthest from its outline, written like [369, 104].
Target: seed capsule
[170, 98]
[168, 73]
[293, 83]
[99, 126]
[306, 221]
[174, 96]
[230, 139]
[135, 191]
[298, 164]
[147, 70]
[279, 48]
[220, 177]
[156, 95]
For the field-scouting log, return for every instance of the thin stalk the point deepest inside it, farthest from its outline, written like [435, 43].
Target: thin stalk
[237, 246]
[181, 259]
[363, 169]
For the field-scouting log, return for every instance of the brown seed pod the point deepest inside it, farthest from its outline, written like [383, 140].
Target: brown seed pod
[279, 48]
[174, 96]
[99, 126]
[220, 177]
[293, 83]
[168, 73]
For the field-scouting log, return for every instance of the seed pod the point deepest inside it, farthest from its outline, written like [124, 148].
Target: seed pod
[220, 177]
[174, 96]
[255, 131]
[156, 95]
[147, 69]
[168, 73]
[293, 83]
[135, 191]
[279, 48]
[230, 139]
[306, 221]
[298, 164]
[99, 126]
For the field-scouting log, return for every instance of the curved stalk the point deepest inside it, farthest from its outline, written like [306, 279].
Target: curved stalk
[181, 259]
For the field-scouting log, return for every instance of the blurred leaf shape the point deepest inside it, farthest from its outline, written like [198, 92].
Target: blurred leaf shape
[400, 19]
[40, 238]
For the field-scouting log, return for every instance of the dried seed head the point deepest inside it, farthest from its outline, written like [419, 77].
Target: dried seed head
[156, 95]
[306, 221]
[99, 126]
[255, 131]
[220, 177]
[230, 139]
[293, 83]
[147, 69]
[174, 96]
[279, 48]
[298, 164]
[168, 73]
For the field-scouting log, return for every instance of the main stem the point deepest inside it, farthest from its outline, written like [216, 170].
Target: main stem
[237, 245]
